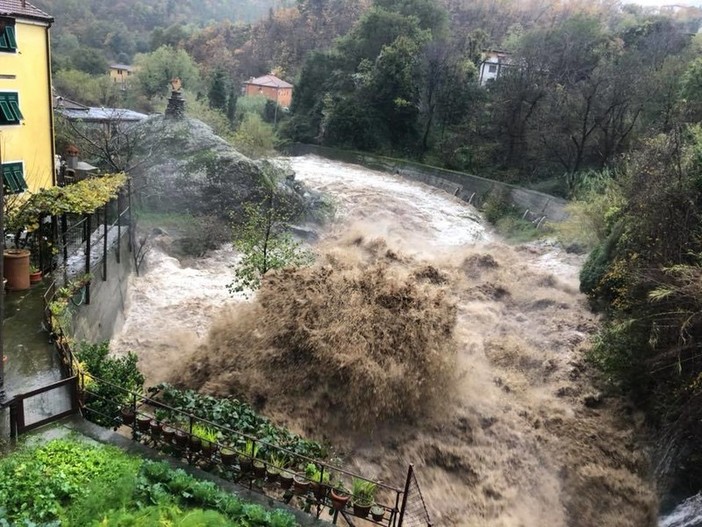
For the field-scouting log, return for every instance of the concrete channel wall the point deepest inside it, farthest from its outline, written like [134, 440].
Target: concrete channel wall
[104, 316]
[470, 188]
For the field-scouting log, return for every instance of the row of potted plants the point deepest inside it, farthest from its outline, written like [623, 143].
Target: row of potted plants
[274, 468]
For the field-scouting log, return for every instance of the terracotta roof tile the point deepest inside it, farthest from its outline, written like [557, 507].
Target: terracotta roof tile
[19, 9]
[271, 81]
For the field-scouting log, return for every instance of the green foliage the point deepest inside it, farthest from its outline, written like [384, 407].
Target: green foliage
[254, 137]
[238, 416]
[214, 117]
[598, 263]
[117, 372]
[363, 492]
[597, 206]
[184, 490]
[83, 197]
[156, 70]
[37, 484]
[217, 94]
[71, 483]
[265, 244]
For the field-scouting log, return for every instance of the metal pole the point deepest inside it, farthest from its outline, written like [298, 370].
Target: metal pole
[89, 228]
[129, 204]
[119, 225]
[104, 248]
[3, 395]
[410, 472]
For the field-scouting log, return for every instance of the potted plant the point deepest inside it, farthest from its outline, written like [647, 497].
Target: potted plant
[286, 478]
[208, 437]
[300, 484]
[168, 433]
[247, 455]
[143, 422]
[377, 513]
[339, 496]
[181, 438]
[126, 413]
[319, 480]
[228, 456]
[363, 492]
[155, 427]
[274, 468]
[34, 275]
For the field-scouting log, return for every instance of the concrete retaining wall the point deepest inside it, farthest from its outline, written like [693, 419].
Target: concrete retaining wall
[104, 316]
[470, 188]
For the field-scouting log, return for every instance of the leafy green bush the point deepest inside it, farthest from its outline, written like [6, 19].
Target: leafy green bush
[77, 484]
[238, 416]
[37, 484]
[118, 371]
[157, 478]
[598, 263]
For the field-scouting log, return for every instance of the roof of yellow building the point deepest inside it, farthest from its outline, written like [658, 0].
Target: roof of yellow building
[270, 81]
[23, 9]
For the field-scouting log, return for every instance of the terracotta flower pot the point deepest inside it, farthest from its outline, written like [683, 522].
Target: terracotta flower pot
[181, 438]
[127, 415]
[259, 469]
[245, 464]
[286, 479]
[300, 485]
[155, 428]
[35, 277]
[228, 456]
[143, 422]
[16, 269]
[272, 474]
[168, 433]
[338, 499]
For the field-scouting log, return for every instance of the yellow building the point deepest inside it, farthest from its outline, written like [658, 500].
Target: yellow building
[26, 118]
[120, 74]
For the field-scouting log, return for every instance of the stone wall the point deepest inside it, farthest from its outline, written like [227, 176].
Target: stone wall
[104, 316]
[470, 188]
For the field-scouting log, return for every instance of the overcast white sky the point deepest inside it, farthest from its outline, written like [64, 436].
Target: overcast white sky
[663, 2]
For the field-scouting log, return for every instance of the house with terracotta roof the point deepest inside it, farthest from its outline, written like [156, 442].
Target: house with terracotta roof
[270, 87]
[26, 117]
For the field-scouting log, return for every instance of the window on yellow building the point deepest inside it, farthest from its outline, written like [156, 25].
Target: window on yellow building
[9, 108]
[8, 40]
[13, 178]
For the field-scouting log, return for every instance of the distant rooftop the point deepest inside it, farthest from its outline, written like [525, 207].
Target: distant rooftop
[23, 9]
[121, 66]
[99, 115]
[270, 81]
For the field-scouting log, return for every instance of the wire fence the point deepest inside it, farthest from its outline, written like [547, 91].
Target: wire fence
[270, 469]
[414, 510]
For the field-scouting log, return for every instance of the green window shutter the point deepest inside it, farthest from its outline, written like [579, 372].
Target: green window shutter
[9, 109]
[15, 108]
[8, 41]
[13, 178]
[12, 39]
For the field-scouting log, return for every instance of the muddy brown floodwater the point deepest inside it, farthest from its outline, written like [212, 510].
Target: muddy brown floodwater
[520, 435]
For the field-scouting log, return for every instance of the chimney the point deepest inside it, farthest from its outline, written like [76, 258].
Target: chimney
[72, 156]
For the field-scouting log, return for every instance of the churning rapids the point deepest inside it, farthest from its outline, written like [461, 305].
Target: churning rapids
[521, 436]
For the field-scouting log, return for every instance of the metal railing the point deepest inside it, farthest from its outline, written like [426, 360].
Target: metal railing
[239, 457]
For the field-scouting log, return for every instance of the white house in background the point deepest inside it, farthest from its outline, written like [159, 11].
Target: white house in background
[493, 65]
